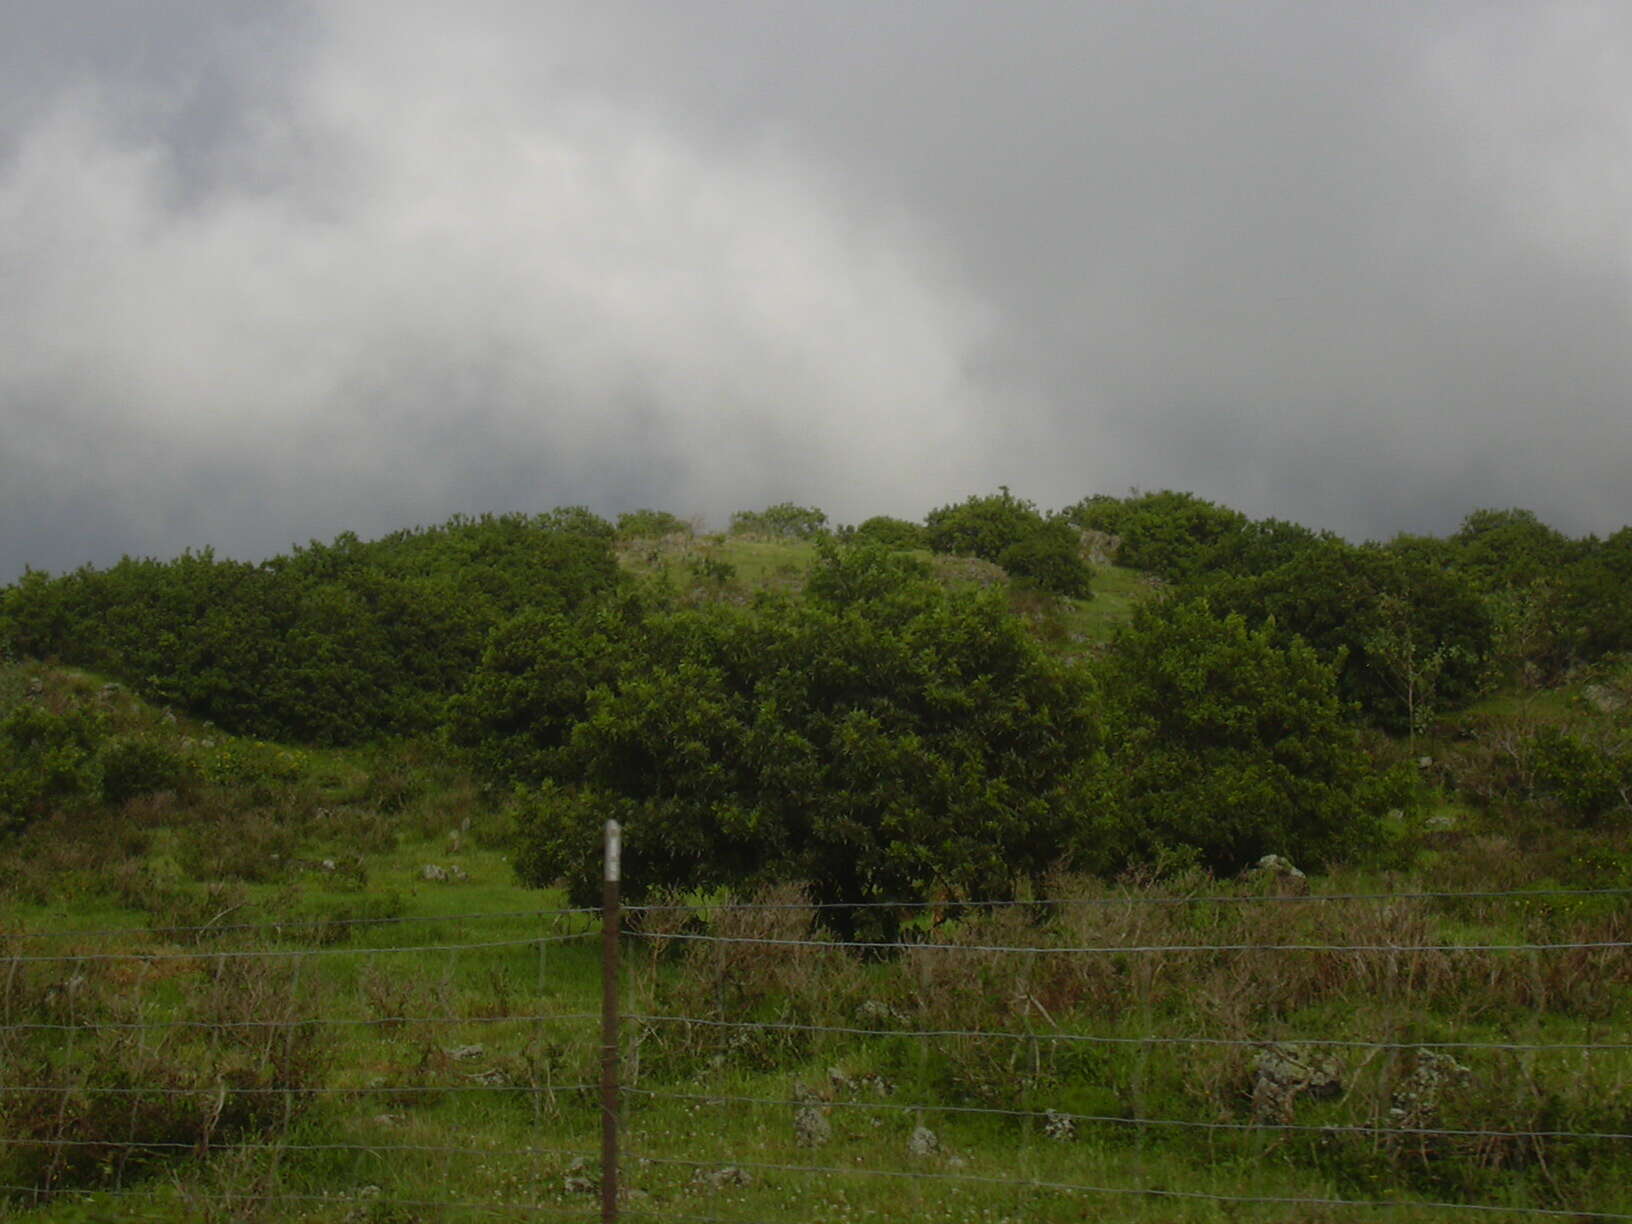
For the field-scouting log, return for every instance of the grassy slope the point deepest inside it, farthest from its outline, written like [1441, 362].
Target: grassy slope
[382, 815]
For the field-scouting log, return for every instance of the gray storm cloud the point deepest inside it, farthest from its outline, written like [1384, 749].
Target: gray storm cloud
[357, 265]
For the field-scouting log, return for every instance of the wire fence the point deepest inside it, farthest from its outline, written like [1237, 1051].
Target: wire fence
[1136, 1056]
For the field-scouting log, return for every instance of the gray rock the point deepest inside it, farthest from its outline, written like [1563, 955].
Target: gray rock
[1062, 1128]
[1439, 822]
[719, 1179]
[465, 1053]
[1417, 1099]
[810, 1125]
[1283, 1072]
[577, 1179]
[432, 872]
[923, 1142]
[1602, 698]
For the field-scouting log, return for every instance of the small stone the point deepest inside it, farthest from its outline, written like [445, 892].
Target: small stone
[456, 873]
[840, 1081]
[1424, 762]
[432, 872]
[1062, 1128]
[923, 1142]
[1274, 864]
[328, 864]
[1439, 822]
[1284, 1072]
[1417, 1099]
[810, 1125]
[577, 1179]
[719, 1179]
[1601, 698]
[466, 1052]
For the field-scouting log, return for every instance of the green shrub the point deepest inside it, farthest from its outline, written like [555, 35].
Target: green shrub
[46, 757]
[646, 524]
[1011, 532]
[1589, 780]
[877, 737]
[784, 520]
[890, 533]
[1226, 738]
[132, 766]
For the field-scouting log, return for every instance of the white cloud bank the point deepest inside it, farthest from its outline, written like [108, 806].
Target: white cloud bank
[431, 277]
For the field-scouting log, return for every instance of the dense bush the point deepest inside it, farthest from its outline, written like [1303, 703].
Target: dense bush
[890, 533]
[783, 520]
[877, 737]
[332, 643]
[1399, 630]
[1224, 738]
[645, 524]
[133, 765]
[1506, 549]
[46, 758]
[1587, 779]
[1175, 535]
[1011, 532]
[1594, 599]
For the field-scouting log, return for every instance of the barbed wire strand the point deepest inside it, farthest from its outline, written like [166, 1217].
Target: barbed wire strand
[333, 1200]
[1518, 894]
[213, 954]
[1094, 1039]
[1139, 1192]
[1111, 1119]
[44, 1026]
[346, 922]
[302, 924]
[90, 1090]
[1121, 949]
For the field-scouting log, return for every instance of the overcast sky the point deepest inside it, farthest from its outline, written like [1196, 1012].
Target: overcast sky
[269, 272]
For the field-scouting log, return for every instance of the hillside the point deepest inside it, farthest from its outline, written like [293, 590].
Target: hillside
[259, 978]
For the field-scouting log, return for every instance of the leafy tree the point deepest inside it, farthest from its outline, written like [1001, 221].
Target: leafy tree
[890, 532]
[1509, 549]
[332, 643]
[1350, 602]
[46, 757]
[877, 737]
[982, 526]
[1595, 606]
[1013, 533]
[1050, 558]
[1225, 738]
[783, 520]
[1176, 535]
[645, 524]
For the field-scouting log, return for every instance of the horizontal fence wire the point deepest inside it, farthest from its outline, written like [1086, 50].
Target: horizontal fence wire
[256, 1197]
[277, 926]
[296, 1022]
[1055, 1115]
[952, 905]
[220, 954]
[1152, 1040]
[1021, 1183]
[541, 1089]
[1120, 949]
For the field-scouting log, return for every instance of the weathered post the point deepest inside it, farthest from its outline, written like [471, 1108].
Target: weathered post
[609, 1025]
